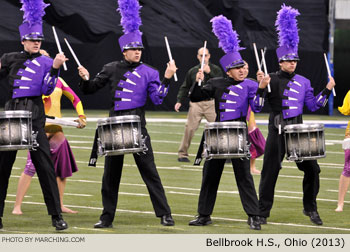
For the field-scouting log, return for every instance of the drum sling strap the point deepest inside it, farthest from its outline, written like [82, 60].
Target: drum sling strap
[93, 155]
[199, 158]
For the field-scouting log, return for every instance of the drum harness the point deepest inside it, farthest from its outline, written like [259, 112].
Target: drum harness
[280, 123]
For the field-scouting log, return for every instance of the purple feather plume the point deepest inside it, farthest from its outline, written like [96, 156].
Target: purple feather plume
[130, 15]
[33, 11]
[287, 27]
[228, 38]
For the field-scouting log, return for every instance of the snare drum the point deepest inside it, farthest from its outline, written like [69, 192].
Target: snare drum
[119, 135]
[15, 130]
[304, 141]
[226, 140]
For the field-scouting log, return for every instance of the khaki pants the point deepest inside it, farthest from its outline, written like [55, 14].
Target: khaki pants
[197, 111]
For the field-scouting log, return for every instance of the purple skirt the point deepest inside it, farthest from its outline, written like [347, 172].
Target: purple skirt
[346, 170]
[62, 157]
[258, 142]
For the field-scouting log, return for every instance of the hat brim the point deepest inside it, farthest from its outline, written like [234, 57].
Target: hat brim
[236, 66]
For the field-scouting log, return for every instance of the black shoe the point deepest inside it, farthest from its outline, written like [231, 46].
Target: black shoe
[58, 222]
[1, 226]
[262, 220]
[103, 224]
[167, 220]
[183, 159]
[201, 220]
[254, 222]
[314, 217]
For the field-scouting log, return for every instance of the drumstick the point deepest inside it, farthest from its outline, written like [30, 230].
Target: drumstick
[169, 54]
[61, 121]
[257, 57]
[264, 55]
[329, 71]
[58, 46]
[74, 56]
[202, 64]
[265, 69]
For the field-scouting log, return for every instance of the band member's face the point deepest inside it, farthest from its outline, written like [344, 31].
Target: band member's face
[288, 66]
[246, 70]
[200, 55]
[31, 46]
[236, 73]
[132, 55]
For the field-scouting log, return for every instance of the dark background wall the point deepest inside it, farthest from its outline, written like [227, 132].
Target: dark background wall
[92, 28]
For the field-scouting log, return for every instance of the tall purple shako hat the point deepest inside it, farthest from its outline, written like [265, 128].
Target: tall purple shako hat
[130, 20]
[288, 38]
[32, 26]
[228, 41]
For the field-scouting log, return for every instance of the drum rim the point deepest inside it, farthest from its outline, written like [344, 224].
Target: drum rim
[227, 155]
[302, 158]
[119, 119]
[304, 127]
[15, 114]
[15, 147]
[223, 125]
[121, 151]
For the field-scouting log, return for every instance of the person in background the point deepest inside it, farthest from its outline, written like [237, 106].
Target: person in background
[61, 153]
[198, 108]
[344, 179]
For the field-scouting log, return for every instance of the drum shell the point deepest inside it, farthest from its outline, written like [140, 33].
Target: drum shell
[304, 142]
[15, 130]
[226, 140]
[120, 135]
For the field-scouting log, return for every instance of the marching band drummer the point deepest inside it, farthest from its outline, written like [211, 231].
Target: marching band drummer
[232, 95]
[130, 81]
[289, 93]
[61, 153]
[32, 75]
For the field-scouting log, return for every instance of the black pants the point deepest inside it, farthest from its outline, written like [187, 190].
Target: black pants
[274, 154]
[45, 170]
[147, 168]
[212, 171]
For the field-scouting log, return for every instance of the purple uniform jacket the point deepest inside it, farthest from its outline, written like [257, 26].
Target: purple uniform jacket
[232, 98]
[29, 75]
[299, 93]
[289, 94]
[133, 90]
[129, 84]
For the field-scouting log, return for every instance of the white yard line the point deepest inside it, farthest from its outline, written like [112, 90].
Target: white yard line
[191, 216]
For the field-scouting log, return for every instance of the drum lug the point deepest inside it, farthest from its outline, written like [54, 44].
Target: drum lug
[205, 153]
[100, 147]
[143, 145]
[35, 143]
[293, 157]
